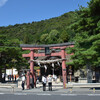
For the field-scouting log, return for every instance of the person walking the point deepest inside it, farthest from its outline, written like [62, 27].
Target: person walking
[23, 82]
[50, 82]
[44, 81]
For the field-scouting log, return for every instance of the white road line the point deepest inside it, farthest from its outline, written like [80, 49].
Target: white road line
[43, 94]
[2, 93]
[46, 94]
[68, 94]
[20, 93]
[93, 94]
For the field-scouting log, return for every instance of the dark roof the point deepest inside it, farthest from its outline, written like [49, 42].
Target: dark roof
[49, 45]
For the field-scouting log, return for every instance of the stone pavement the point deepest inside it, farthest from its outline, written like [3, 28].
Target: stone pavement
[57, 88]
[54, 91]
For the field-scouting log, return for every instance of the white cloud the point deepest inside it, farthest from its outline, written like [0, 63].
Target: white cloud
[2, 2]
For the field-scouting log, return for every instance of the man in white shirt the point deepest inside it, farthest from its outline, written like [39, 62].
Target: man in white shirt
[44, 80]
[23, 81]
[50, 82]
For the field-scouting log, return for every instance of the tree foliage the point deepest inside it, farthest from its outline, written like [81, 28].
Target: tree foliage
[81, 26]
[87, 39]
[49, 31]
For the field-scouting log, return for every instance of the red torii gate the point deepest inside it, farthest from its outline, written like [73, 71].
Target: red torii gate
[62, 54]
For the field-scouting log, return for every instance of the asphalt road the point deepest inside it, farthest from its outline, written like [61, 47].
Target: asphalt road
[48, 96]
[56, 94]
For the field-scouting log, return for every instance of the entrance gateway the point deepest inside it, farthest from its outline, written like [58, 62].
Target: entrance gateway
[61, 47]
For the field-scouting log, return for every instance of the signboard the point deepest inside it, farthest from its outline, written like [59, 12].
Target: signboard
[9, 71]
[47, 51]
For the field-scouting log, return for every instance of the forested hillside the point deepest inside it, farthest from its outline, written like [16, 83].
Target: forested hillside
[36, 32]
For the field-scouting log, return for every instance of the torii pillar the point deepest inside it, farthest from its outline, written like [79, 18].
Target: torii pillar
[32, 63]
[63, 67]
[32, 77]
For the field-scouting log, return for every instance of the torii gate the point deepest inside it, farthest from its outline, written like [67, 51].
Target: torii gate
[32, 54]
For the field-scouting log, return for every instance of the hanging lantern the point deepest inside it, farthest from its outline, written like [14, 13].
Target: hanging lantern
[47, 51]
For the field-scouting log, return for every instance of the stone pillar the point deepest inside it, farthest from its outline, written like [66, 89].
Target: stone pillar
[63, 68]
[89, 74]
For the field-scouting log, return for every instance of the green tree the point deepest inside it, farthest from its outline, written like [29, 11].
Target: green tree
[53, 37]
[87, 38]
[44, 39]
[64, 36]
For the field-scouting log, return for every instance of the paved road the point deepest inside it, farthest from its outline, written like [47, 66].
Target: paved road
[55, 90]
[56, 94]
[48, 96]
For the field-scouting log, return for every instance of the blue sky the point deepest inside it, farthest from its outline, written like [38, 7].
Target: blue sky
[26, 11]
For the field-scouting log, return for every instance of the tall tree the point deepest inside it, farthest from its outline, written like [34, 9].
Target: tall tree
[86, 50]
